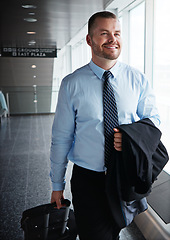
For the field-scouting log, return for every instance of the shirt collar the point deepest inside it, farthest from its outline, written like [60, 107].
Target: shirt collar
[98, 71]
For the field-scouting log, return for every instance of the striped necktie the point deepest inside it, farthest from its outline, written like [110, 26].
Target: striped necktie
[110, 116]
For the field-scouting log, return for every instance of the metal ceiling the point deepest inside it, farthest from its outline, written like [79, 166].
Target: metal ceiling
[57, 22]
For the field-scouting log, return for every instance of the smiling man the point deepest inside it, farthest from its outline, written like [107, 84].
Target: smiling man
[79, 127]
[104, 37]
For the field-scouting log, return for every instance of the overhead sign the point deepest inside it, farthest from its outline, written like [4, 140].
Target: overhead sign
[28, 52]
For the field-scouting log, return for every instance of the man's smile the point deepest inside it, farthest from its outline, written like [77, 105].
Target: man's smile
[111, 47]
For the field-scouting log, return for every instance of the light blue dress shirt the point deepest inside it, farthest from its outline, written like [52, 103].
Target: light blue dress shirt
[78, 131]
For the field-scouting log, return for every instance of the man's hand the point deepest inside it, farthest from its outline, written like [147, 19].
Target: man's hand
[57, 196]
[117, 140]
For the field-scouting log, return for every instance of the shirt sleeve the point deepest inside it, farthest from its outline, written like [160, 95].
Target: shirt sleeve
[62, 138]
[147, 103]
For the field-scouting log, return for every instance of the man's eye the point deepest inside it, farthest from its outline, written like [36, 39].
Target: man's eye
[104, 33]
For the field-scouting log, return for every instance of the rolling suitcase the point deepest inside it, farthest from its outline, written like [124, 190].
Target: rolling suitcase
[46, 222]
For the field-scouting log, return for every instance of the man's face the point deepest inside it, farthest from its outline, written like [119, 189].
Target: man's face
[105, 40]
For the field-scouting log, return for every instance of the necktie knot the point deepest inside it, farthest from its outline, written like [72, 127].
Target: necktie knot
[107, 75]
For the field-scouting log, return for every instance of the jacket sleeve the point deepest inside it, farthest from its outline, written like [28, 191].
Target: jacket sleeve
[143, 155]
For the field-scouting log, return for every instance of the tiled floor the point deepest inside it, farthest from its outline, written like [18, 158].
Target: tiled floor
[24, 173]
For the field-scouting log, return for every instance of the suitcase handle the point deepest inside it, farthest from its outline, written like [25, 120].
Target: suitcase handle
[64, 203]
[43, 209]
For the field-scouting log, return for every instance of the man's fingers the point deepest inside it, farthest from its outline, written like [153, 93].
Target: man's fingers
[57, 196]
[117, 140]
[118, 146]
[58, 202]
[118, 135]
[116, 130]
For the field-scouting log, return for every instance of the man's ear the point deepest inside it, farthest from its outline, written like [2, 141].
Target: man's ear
[88, 39]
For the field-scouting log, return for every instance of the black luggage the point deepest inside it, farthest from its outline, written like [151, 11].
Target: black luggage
[46, 222]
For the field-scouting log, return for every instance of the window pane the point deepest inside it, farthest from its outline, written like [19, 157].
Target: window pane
[120, 20]
[137, 24]
[81, 54]
[161, 68]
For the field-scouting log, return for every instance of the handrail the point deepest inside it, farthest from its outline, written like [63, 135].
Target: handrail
[152, 226]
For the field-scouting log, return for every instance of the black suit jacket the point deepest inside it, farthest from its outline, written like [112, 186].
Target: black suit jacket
[131, 173]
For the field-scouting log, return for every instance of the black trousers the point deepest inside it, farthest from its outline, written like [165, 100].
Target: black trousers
[91, 209]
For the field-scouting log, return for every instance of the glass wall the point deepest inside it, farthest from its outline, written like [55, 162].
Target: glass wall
[81, 54]
[147, 42]
[30, 100]
[120, 20]
[161, 67]
[137, 36]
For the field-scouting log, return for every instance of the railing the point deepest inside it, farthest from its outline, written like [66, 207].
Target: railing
[30, 100]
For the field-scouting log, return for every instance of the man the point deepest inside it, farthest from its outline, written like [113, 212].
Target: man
[78, 128]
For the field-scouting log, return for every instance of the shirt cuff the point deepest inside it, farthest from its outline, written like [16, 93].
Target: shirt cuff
[58, 186]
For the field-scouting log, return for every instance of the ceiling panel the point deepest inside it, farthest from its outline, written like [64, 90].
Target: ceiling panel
[57, 22]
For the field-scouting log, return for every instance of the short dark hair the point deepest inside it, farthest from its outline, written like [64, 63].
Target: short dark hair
[103, 14]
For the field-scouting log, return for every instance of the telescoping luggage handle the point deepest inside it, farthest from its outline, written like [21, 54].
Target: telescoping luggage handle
[47, 208]
[65, 203]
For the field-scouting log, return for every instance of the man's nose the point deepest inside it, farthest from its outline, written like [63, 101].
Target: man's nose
[112, 38]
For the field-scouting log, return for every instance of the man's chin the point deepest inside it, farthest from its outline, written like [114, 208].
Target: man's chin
[110, 57]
